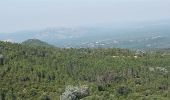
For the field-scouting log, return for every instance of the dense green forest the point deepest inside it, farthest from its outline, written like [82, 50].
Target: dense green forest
[44, 73]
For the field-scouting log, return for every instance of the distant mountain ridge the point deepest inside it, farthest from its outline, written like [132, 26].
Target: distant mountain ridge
[135, 36]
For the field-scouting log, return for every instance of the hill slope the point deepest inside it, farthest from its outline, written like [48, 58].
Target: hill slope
[41, 73]
[36, 42]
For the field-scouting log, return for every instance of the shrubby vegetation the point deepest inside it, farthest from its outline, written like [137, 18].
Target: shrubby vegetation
[44, 73]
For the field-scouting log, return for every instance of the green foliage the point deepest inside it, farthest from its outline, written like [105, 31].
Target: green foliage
[35, 73]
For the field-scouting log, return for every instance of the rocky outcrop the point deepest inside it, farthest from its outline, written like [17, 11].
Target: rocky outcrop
[1, 59]
[75, 93]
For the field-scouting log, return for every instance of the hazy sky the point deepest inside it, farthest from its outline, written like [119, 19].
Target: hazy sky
[18, 15]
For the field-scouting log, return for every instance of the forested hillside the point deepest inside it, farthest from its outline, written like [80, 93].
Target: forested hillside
[36, 42]
[43, 73]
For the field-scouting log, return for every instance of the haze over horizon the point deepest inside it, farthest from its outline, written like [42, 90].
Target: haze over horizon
[18, 15]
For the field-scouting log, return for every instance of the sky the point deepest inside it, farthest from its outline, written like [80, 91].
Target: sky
[17, 15]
